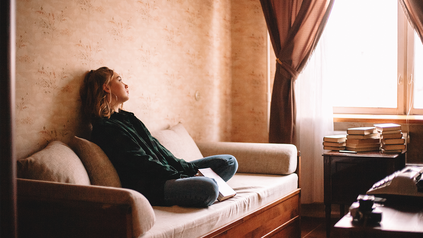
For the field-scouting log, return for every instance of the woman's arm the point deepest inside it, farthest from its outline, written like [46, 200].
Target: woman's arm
[180, 164]
[128, 155]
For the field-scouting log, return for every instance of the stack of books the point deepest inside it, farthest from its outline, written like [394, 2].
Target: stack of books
[362, 139]
[392, 138]
[334, 142]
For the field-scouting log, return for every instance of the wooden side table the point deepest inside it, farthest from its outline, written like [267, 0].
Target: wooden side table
[398, 221]
[347, 175]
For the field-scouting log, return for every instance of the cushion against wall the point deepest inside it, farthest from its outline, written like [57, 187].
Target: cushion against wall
[100, 170]
[177, 140]
[57, 162]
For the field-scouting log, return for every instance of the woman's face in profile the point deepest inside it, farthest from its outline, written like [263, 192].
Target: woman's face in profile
[119, 89]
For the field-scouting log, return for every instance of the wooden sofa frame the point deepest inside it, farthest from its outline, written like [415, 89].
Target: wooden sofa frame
[281, 218]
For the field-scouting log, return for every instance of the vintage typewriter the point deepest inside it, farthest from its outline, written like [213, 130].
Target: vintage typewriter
[407, 182]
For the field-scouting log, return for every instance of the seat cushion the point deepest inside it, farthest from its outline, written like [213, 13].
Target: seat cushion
[253, 192]
[99, 168]
[57, 162]
[178, 141]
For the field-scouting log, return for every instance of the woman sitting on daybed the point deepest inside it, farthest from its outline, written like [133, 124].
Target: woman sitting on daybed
[141, 162]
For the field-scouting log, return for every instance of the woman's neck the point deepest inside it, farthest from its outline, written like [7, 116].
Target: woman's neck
[116, 108]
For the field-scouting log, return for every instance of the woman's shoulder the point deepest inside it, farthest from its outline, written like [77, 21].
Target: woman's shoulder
[105, 122]
[118, 119]
[104, 127]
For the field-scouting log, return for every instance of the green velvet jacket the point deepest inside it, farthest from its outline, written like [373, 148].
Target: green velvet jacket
[142, 163]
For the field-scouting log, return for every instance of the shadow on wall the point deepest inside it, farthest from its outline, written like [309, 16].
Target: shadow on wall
[63, 107]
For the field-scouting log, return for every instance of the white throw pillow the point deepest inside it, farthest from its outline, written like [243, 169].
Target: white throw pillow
[57, 162]
[178, 141]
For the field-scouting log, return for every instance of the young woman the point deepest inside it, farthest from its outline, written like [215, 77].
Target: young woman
[141, 162]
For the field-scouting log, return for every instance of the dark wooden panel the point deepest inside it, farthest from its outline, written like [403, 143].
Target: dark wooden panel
[293, 229]
[8, 216]
[354, 176]
[404, 219]
[348, 175]
[280, 217]
[72, 219]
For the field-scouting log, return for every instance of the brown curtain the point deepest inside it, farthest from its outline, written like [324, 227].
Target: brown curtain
[295, 27]
[414, 11]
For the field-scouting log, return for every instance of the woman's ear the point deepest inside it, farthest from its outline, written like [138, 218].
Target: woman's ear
[106, 88]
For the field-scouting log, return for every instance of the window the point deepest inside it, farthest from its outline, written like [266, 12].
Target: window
[371, 52]
[418, 74]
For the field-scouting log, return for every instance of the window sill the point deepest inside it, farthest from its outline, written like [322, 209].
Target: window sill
[399, 119]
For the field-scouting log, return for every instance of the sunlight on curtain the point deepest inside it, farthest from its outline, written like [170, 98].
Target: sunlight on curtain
[314, 121]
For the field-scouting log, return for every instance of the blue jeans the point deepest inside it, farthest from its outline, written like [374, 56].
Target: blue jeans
[200, 191]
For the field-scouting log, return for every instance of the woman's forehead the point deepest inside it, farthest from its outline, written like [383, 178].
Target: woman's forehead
[115, 75]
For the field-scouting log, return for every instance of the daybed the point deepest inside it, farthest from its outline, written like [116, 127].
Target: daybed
[72, 190]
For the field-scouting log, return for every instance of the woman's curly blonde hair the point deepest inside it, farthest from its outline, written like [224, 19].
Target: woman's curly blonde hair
[95, 101]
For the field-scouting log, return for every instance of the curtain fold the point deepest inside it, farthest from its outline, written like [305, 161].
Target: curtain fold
[295, 27]
[414, 11]
[314, 121]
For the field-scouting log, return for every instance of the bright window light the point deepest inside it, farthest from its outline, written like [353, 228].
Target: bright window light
[361, 53]
[418, 72]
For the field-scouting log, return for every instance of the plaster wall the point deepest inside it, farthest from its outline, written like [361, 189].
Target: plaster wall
[200, 62]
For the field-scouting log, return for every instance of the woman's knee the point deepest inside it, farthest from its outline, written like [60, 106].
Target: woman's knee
[191, 192]
[206, 192]
[233, 162]
[230, 168]
[211, 192]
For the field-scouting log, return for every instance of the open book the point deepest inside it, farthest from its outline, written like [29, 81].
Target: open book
[225, 191]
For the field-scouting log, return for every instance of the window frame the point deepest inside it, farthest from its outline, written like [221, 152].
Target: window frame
[410, 72]
[405, 69]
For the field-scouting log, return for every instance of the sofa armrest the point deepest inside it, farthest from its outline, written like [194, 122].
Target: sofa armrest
[265, 158]
[97, 204]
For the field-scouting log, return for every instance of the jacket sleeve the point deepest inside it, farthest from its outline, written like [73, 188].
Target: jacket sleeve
[130, 157]
[180, 164]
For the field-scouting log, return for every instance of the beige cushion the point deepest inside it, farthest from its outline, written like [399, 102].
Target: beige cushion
[253, 192]
[99, 168]
[177, 140]
[261, 158]
[57, 162]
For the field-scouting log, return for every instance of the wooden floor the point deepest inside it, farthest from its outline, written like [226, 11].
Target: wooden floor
[314, 227]
[313, 222]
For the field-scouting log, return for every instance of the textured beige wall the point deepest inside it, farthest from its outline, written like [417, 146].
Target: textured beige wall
[199, 62]
[249, 75]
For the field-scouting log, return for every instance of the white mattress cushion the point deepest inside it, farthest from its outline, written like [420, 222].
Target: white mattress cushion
[178, 141]
[253, 191]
